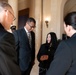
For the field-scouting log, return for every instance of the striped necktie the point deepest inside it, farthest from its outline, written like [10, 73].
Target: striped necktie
[29, 37]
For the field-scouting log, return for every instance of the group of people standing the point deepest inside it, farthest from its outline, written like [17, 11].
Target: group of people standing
[17, 50]
[26, 49]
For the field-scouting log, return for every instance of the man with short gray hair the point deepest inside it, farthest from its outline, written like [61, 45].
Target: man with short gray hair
[8, 57]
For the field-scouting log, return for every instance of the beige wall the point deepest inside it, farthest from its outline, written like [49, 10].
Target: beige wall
[52, 9]
[23, 4]
[32, 8]
[70, 6]
[46, 15]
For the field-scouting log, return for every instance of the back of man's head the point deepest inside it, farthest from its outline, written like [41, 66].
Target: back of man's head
[70, 19]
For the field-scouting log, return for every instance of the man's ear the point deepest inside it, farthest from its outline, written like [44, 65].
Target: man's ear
[70, 28]
[6, 12]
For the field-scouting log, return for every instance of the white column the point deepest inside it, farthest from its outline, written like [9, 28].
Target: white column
[14, 4]
[38, 30]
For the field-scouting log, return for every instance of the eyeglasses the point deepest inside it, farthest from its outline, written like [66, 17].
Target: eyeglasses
[12, 15]
[31, 26]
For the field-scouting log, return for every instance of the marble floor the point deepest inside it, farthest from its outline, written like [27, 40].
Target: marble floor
[35, 68]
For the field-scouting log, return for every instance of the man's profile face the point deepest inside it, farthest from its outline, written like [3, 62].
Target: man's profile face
[30, 26]
[9, 17]
[67, 29]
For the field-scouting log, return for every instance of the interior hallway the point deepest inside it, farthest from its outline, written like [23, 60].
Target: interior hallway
[35, 68]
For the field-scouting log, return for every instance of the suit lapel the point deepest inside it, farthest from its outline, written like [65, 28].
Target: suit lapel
[25, 36]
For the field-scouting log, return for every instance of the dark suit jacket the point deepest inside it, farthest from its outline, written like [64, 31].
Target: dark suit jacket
[26, 55]
[64, 62]
[8, 56]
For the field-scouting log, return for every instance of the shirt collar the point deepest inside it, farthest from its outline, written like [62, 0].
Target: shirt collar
[26, 30]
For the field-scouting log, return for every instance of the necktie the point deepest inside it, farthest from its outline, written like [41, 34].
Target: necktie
[29, 37]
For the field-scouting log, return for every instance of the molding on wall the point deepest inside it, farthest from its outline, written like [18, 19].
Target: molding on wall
[24, 12]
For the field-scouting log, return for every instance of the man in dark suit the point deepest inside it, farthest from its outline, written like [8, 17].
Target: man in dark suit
[8, 56]
[64, 62]
[26, 46]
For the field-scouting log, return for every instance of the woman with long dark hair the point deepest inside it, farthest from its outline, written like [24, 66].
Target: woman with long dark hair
[46, 53]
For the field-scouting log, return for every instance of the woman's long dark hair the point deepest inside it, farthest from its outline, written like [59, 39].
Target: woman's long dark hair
[53, 39]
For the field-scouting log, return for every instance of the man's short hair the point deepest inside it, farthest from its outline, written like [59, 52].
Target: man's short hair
[31, 20]
[4, 5]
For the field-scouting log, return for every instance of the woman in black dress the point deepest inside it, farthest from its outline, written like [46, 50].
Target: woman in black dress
[46, 53]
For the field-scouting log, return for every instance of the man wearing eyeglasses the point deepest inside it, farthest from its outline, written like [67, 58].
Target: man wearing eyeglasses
[25, 43]
[8, 57]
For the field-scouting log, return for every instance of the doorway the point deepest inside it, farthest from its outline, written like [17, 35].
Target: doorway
[22, 17]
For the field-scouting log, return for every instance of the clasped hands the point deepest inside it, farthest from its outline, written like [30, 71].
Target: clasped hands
[44, 57]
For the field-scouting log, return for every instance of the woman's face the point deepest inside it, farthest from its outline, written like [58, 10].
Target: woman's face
[49, 38]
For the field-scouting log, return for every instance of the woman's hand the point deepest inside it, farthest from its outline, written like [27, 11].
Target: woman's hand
[44, 57]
